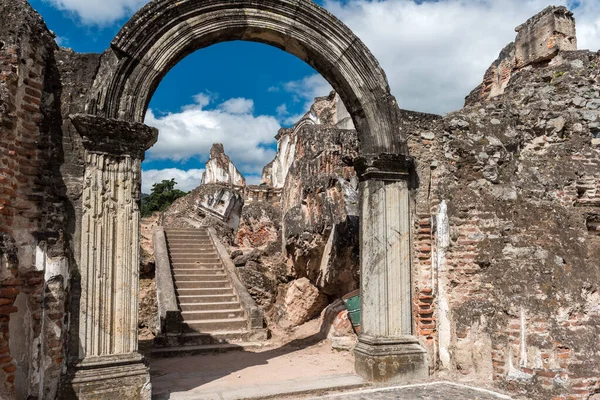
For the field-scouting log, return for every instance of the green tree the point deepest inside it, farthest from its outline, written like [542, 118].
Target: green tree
[162, 196]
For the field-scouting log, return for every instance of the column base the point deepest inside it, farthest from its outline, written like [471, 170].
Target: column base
[390, 359]
[123, 377]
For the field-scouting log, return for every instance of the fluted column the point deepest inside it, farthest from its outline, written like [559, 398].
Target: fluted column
[387, 350]
[109, 258]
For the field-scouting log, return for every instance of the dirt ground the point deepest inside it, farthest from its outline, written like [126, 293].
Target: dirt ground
[298, 353]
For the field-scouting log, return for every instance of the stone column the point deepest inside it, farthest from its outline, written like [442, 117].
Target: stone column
[110, 366]
[386, 351]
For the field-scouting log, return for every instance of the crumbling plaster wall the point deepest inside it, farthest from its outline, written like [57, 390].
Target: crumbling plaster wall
[506, 212]
[506, 248]
[320, 209]
[34, 256]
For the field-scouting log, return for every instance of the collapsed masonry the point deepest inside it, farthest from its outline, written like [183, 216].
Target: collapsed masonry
[504, 210]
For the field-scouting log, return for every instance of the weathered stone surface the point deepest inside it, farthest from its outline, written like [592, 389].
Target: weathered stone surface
[260, 226]
[538, 40]
[249, 256]
[303, 301]
[261, 286]
[274, 173]
[148, 309]
[320, 205]
[34, 225]
[220, 169]
[336, 326]
[327, 111]
[396, 360]
[147, 226]
[544, 35]
[213, 205]
[114, 136]
[503, 199]
[505, 231]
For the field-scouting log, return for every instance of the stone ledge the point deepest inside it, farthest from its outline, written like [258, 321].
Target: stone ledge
[385, 167]
[113, 136]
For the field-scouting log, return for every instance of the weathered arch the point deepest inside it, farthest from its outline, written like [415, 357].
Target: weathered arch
[114, 138]
[165, 31]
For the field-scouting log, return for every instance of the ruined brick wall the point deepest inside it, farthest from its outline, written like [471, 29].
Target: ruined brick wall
[262, 194]
[77, 72]
[33, 260]
[506, 234]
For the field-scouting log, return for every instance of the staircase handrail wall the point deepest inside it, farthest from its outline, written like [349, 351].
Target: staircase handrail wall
[170, 318]
[254, 313]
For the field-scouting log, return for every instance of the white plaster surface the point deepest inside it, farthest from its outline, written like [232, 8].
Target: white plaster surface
[444, 327]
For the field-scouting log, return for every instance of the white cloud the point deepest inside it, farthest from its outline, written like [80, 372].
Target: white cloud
[238, 106]
[191, 133]
[202, 100]
[307, 88]
[99, 12]
[588, 25]
[435, 53]
[282, 110]
[303, 90]
[186, 180]
[62, 41]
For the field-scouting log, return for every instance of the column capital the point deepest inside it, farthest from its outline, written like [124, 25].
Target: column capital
[383, 167]
[113, 136]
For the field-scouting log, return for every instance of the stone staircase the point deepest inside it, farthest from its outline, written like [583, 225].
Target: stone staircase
[213, 317]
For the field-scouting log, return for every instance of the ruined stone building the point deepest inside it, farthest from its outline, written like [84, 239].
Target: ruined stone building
[474, 237]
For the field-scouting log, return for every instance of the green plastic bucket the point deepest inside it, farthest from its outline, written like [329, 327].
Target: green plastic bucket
[352, 302]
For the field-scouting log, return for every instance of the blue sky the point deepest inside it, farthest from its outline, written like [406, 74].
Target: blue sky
[241, 93]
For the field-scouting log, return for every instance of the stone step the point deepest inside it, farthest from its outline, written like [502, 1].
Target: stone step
[176, 262]
[187, 291]
[200, 270]
[197, 265]
[182, 241]
[187, 242]
[212, 314]
[211, 259]
[193, 350]
[218, 337]
[200, 257]
[185, 230]
[192, 259]
[212, 325]
[198, 284]
[199, 274]
[188, 236]
[217, 272]
[214, 270]
[224, 305]
[207, 298]
[192, 247]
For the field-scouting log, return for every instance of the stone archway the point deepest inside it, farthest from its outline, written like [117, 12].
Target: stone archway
[158, 37]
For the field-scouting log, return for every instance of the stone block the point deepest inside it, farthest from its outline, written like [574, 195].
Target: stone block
[544, 35]
[121, 376]
[390, 360]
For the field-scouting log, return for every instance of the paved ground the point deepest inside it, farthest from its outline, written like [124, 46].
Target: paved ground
[428, 391]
